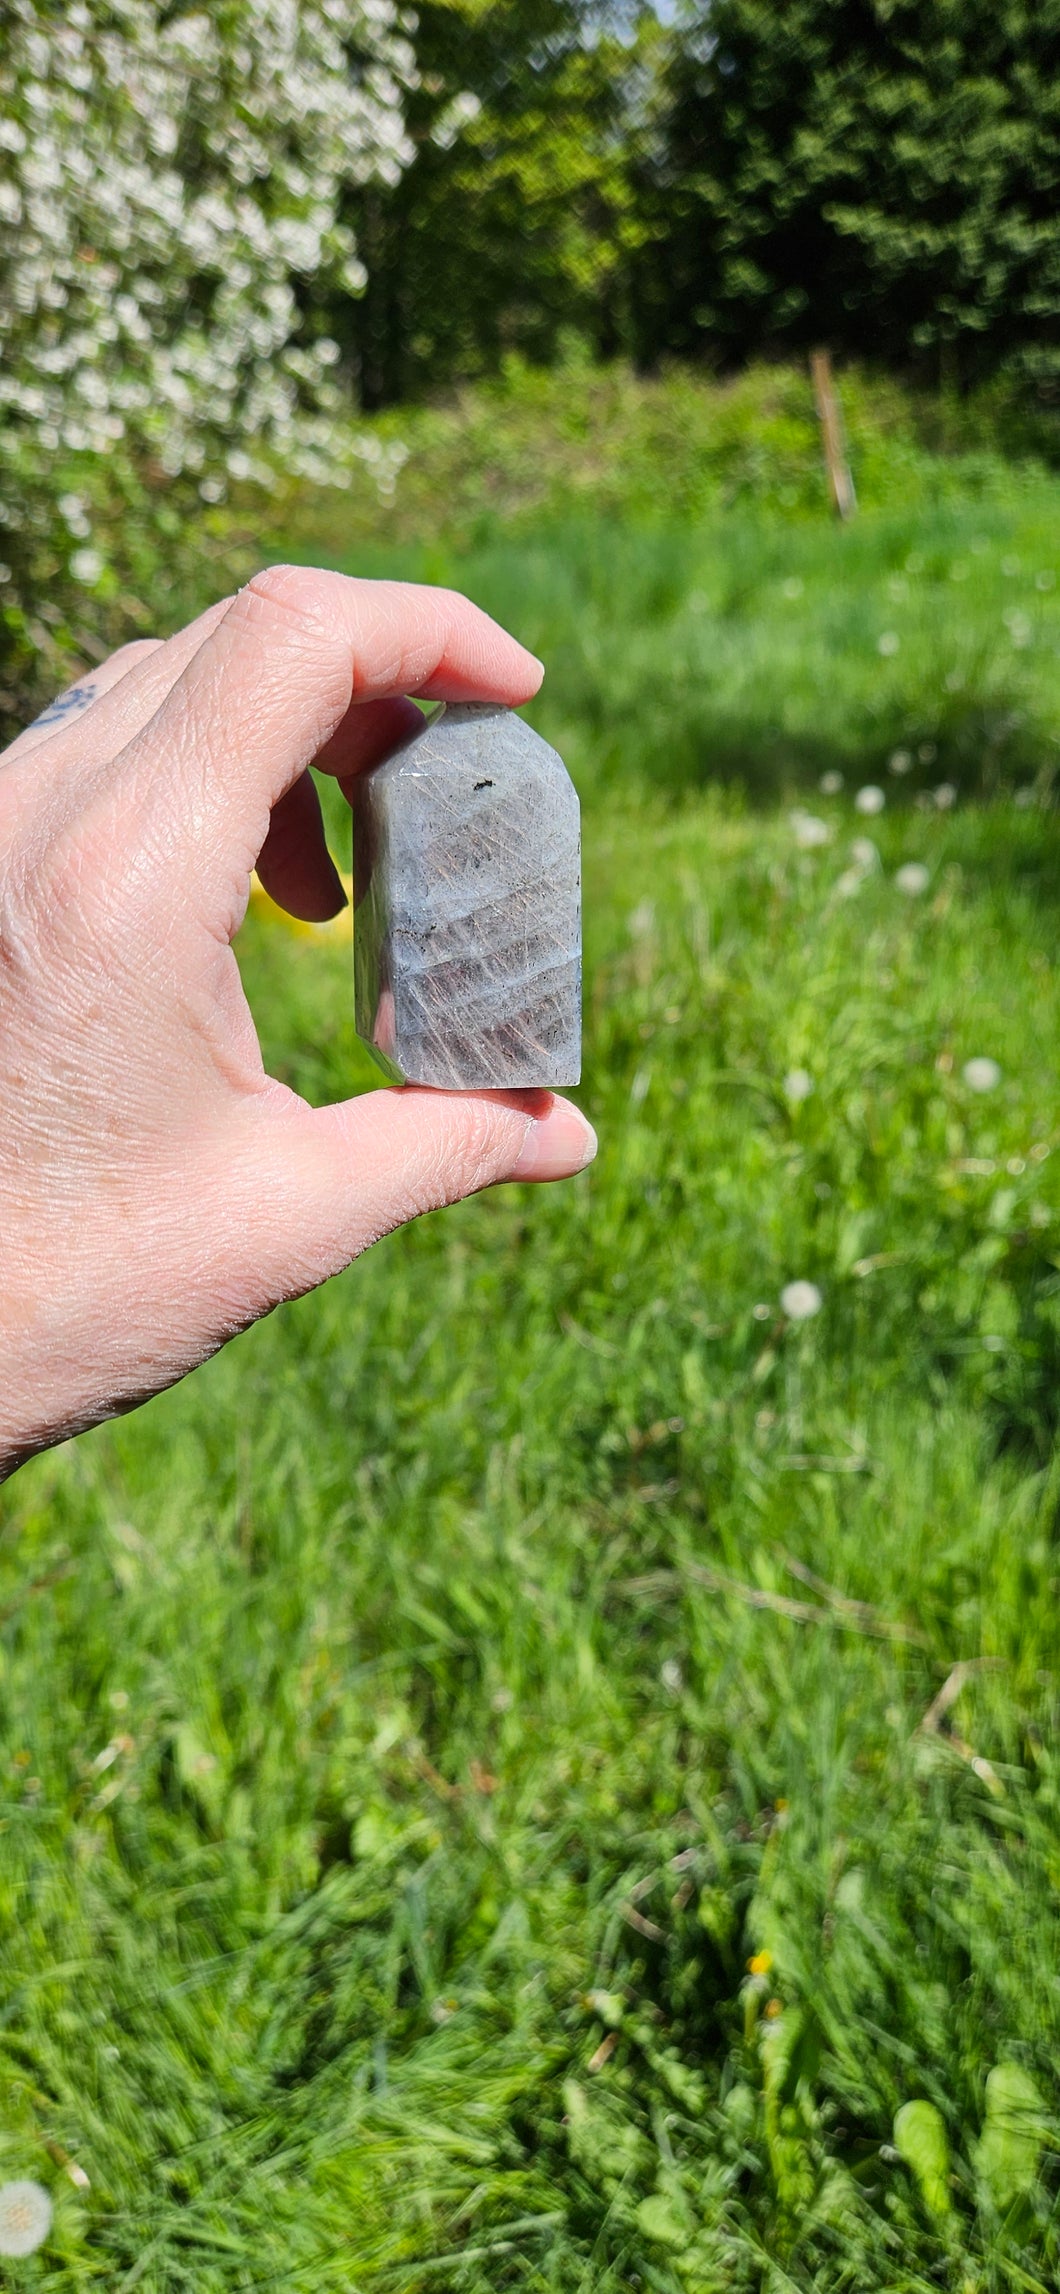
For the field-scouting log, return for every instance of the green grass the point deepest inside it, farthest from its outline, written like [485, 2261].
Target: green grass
[414, 1725]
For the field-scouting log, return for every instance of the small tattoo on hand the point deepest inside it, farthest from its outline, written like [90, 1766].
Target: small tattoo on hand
[66, 704]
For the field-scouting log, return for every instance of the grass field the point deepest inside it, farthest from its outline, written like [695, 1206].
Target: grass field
[539, 1768]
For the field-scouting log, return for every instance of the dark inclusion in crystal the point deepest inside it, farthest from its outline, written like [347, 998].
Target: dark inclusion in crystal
[467, 906]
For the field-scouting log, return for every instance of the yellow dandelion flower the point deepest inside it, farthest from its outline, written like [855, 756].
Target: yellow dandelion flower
[338, 927]
[760, 1964]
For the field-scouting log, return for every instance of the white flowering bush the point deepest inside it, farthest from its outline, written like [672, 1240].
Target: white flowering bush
[170, 193]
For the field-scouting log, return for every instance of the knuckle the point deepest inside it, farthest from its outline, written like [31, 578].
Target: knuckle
[299, 590]
[137, 649]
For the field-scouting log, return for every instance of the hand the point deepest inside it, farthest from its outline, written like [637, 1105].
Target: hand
[158, 1191]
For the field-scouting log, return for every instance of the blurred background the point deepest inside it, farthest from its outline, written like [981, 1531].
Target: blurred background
[538, 1768]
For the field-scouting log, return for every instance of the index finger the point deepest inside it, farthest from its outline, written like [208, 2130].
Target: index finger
[274, 679]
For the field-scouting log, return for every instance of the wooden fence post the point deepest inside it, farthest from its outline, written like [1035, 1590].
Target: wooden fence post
[831, 421]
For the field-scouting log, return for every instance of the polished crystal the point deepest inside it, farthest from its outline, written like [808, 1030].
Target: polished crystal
[467, 906]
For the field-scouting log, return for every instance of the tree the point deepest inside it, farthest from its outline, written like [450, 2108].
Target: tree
[170, 183]
[516, 217]
[878, 174]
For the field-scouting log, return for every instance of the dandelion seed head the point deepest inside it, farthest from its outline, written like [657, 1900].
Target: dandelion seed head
[899, 762]
[830, 783]
[888, 643]
[798, 1085]
[869, 799]
[981, 1074]
[945, 796]
[863, 852]
[809, 832]
[800, 1300]
[25, 2217]
[912, 878]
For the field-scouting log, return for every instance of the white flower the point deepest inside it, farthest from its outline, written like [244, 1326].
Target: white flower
[798, 1085]
[800, 1300]
[863, 853]
[901, 761]
[945, 795]
[809, 831]
[25, 2217]
[830, 784]
[869, 799]
[912, 877]
[888, 643]
[981, 1074]
[86, 567]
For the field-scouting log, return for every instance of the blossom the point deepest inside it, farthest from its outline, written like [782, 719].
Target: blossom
[800, 1300]
[798, 1085]
[912, 877]
[900, 761]
[830, 783]
[945, 796]
[25, 2217]
[869, 799]
[147, 278]
[863, 853]
[981, 1074]
[86, 567]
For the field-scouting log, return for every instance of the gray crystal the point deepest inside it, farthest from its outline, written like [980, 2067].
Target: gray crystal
[467, 908]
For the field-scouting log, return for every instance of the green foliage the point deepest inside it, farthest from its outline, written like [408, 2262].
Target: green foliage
[876, 174]
[702, 615]
[514, 223]
[1016, 2126]
[920, 2139]
[166, 176]
[471, 1811]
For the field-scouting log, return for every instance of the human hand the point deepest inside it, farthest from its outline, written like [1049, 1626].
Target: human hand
[159, 1191]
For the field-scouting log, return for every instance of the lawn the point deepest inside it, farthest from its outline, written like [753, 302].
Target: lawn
[539, 1767]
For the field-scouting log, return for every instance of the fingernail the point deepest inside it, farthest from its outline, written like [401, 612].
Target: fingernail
[556, 1144]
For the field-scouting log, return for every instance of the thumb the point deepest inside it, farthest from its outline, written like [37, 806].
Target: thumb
[365, 1166]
